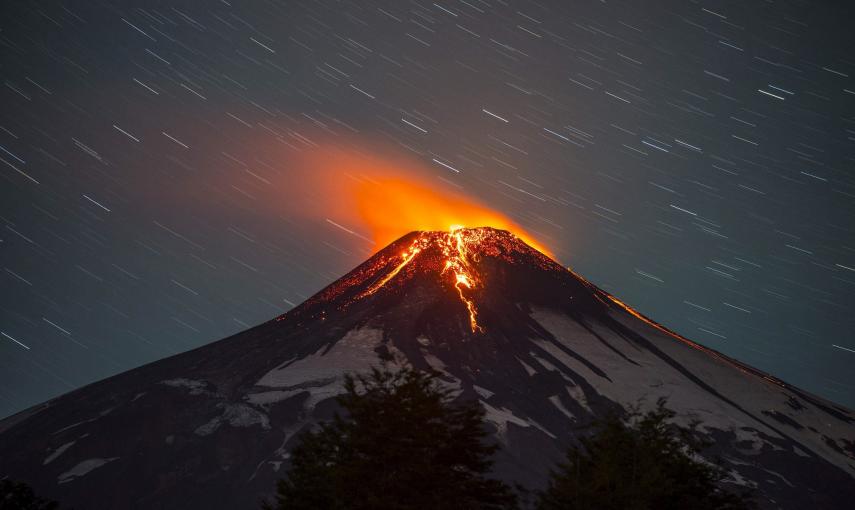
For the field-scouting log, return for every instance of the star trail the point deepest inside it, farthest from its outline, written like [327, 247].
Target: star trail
[694, 159]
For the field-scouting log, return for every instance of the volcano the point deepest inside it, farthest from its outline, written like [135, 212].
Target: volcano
[543, 350]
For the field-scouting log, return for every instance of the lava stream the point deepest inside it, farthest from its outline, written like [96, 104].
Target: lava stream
[454, 249]
[457, 260]
[408, 256]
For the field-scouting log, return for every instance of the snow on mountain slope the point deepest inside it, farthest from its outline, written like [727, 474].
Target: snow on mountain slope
[542, 349]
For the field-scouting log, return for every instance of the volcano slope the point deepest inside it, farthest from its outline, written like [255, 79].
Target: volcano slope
[543, 350]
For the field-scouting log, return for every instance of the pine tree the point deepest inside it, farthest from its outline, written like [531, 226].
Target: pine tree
[402, 444]
[19, 496]
[643, 463]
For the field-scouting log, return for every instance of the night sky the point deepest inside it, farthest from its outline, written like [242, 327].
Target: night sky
[695, 159]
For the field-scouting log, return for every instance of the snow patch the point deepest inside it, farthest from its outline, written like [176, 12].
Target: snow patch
[484, 392]
[684, 374]
[502, 416]
[780, 476]
[352, 353]
[733, 474]
[103, 413]
[236, 415]
[549, 366]
[578, 394]
[267, 398]
[545, 364]
[434, 362]
[289, 432]
[530, 371]
[556, 401]
[322, 373]
[194, 387]
[56, 453]
[83, 469]
[454, 385]
[751, 436]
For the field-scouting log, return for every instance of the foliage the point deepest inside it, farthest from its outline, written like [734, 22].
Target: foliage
[403, 444]
[639, 464]
[19, 496]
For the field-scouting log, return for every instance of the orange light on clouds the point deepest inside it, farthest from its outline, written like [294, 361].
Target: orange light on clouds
[391, 207]
[387, 197]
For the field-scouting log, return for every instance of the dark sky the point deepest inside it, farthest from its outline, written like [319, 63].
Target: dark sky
[695, 159]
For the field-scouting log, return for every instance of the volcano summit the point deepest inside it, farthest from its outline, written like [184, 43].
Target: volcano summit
[542, 349]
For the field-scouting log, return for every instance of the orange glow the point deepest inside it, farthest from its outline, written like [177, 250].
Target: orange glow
[379, 198]
[407, 256]
[457, 260]
[454, 248]
[384, 197]
[473, 321]
[393, 206]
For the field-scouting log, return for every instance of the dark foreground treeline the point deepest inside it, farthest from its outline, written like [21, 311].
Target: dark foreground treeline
[403, 444]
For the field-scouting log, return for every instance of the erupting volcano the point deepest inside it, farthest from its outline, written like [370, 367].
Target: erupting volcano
[454, 248]
[542, 349]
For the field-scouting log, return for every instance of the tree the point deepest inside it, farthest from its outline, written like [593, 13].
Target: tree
[19, 496]
[403, 444]
[638, 464]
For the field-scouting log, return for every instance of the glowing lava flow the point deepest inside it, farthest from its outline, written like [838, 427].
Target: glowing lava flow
[457, 260]
[408, 256]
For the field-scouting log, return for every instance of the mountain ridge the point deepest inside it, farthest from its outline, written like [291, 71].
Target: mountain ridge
[547, 352]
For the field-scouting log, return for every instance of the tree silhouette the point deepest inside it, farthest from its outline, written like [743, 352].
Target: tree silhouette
[402, 445]
[19, 496]
[639, 464]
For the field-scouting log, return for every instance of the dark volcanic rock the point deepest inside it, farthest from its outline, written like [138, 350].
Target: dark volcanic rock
[543, 350]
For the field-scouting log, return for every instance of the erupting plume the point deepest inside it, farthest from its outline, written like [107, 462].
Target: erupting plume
[380, 197]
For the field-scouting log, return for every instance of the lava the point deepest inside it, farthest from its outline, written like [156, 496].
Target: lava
[454, 248]
[407, 256]
[457, 261]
